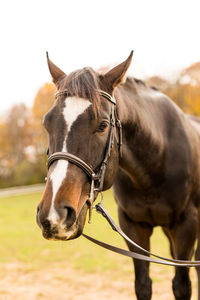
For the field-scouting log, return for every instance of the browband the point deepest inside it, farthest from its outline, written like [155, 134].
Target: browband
[102, 93]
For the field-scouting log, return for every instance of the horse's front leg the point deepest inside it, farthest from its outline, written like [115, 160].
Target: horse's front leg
[182, 237]
[140, 233]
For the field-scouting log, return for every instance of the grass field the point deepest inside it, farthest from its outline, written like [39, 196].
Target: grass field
[21, 238]
[22, 241]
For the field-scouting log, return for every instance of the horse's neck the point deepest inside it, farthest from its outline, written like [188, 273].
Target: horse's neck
[143, 140]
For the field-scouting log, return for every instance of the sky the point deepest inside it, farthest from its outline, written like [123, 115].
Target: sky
[164, 34]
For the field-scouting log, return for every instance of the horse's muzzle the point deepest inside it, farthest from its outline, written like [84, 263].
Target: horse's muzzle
[66, 227]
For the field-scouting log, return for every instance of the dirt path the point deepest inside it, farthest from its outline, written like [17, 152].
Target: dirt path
[21, 190]
[61, 282]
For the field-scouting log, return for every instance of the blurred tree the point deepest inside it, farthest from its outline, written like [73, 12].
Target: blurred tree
[18, 132]
[191, 75]
[16, 135]
[44, 100]
[42, 103]
[23, 141]
[185, 92]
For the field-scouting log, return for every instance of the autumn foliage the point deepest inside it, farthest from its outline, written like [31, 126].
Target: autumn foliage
[185, 91]
[23, 141]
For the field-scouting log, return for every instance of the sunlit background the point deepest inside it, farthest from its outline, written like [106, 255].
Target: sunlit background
[165, 37]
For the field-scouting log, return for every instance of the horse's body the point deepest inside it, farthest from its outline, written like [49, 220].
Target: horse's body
[156, 181]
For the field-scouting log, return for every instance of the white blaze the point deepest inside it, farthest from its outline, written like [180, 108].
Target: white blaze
[74, 107]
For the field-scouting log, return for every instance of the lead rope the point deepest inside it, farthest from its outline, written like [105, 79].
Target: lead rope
[156, 259]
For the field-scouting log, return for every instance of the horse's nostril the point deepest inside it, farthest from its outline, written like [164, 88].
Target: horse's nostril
[70, 216]
[46, 224]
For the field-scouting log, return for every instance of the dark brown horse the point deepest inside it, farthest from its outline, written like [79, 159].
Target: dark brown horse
[156, 181]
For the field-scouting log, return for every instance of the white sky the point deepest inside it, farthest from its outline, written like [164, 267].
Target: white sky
[165, 35]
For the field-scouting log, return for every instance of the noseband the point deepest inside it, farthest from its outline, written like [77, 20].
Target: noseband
[97, 178]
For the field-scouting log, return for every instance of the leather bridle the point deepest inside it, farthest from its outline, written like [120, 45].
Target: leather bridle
[97, 182]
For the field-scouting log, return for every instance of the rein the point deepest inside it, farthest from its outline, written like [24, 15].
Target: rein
[97, 181]
[156, 259]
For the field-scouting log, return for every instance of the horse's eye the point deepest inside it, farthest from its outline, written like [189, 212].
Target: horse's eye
[47, 151]
[102, 126]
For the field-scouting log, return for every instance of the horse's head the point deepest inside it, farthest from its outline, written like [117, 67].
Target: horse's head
[79, 123]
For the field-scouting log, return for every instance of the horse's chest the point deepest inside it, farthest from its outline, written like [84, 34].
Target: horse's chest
[152, 213]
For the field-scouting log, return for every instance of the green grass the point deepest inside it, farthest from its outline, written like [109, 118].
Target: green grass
[21, 239]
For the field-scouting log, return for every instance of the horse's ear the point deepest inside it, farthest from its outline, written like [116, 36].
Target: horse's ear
[55, 72]
[116, 75]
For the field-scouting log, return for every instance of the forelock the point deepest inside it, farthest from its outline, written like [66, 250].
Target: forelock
[83, 84]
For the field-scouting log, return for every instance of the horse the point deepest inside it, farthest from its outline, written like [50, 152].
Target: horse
[154, 170]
